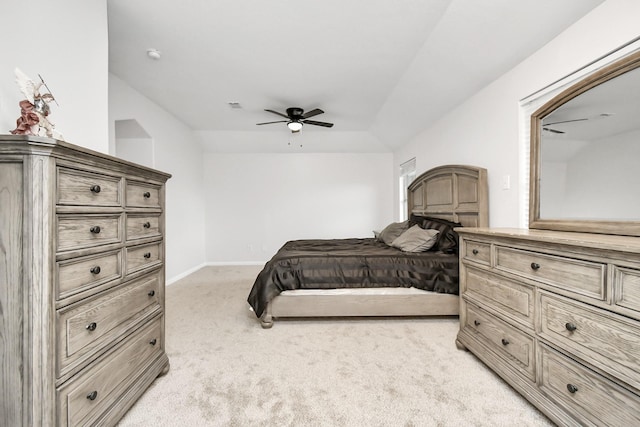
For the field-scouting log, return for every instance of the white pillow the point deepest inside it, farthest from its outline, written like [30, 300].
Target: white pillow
[416, 239]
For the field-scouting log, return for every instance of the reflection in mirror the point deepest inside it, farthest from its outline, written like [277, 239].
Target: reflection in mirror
[585, 154]
[590, 154]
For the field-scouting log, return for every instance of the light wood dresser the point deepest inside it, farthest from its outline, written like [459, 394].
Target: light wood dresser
[557, 316]
[81, 283]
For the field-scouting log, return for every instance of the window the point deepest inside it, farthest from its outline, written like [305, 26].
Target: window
[407, 175]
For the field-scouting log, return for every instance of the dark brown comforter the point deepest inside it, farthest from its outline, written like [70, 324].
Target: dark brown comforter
[351, 263]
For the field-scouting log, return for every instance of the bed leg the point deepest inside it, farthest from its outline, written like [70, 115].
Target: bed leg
[266, 321]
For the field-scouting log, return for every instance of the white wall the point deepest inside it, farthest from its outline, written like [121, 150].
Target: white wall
[600, 189]
[257, 202]
[66, 42]
[485, 129]
[137, 150]
[177, 152]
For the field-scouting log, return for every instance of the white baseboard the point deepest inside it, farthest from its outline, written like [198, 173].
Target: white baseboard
[210, 264]
[223, 263]
[184, 274]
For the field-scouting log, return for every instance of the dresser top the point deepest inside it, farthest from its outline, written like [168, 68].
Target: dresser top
[30, 144]
[592, 240]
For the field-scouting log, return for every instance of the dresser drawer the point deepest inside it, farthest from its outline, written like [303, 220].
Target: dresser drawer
[627, 287]
[82, 400]
[582, 277]
[143, 256]
[142, 226]
[79, 274]
[514, 347]
[84, 328]
[477, 252]
[512, 299]
[84, 188]
[609, 340]
[142, 195]
[586, 395]
[84, 231]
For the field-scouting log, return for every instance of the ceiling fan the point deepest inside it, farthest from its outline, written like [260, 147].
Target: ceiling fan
[548, 129]
[584, 119]
[296, 117]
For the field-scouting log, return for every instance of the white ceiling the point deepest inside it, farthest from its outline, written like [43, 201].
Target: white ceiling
[381, 70]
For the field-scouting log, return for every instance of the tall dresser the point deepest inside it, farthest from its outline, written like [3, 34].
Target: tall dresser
[81, 283]
[557, 316]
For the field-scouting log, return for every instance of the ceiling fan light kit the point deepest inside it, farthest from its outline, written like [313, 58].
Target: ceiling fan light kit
[296, 118]
[294, 126]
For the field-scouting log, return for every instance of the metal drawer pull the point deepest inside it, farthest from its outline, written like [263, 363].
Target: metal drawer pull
[95, 270]
[570, 326]
[505, 341]
[572, 389]
[92, 395]
[147, 255]
[151, 293]
[95, 229]
[92, 326]
[153, 341]
[95, 189]
[535, 266]
[147, 195]
[477, 323]
[475, 251]
[147, 224]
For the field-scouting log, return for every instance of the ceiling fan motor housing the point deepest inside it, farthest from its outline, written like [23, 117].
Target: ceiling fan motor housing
[295, 113]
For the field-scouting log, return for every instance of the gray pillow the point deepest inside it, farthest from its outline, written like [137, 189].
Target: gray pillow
[392, 231]
[416, 239]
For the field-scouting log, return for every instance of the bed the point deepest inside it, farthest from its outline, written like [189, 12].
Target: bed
[367, 276]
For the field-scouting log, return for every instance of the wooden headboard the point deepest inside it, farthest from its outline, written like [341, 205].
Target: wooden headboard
[455, 192]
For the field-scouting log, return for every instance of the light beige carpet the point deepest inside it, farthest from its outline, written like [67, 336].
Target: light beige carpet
[228, 371]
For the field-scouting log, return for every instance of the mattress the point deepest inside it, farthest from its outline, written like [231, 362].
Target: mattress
[351, 263]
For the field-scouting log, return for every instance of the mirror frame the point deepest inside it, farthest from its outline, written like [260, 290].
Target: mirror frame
[629, 228]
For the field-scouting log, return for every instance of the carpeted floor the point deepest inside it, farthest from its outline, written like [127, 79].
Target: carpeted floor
[228, 371]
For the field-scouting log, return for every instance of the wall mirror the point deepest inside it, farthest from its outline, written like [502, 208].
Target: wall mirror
[585, 154]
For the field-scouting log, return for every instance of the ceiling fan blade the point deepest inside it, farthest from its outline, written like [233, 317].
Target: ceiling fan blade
[268, 123]
[280, 114]
[566, 121]
[313, 122]
[552, 130]
[312, 113]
